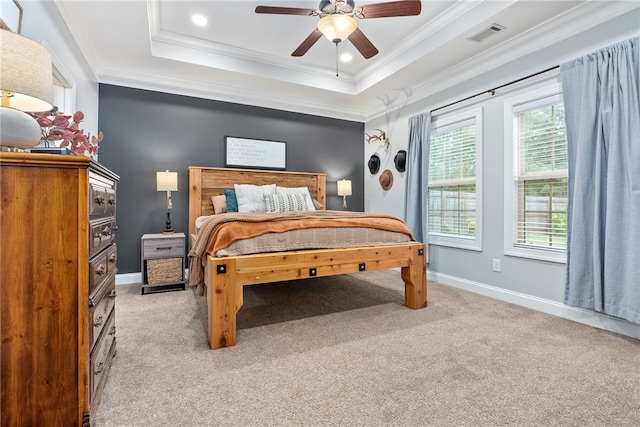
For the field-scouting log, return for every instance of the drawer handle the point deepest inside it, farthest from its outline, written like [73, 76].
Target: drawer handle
[112, 258]
[100, 199]
[96, 235]
[112, 200]
[98, 322]
[101, 270]
[164, 248]
[112, 331]
[112, 294]
[99, 369]
[106, 231]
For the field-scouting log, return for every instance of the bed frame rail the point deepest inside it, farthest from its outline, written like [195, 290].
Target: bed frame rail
[226, 277]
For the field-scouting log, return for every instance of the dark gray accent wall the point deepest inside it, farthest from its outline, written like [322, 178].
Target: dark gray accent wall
[148, 131]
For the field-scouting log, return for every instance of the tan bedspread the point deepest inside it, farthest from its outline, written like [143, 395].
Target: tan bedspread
[219, 231]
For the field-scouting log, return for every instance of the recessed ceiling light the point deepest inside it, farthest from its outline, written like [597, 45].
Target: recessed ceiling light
[346, 57]
[200, 20]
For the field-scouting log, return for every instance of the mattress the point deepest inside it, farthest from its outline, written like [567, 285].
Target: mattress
[234, 234]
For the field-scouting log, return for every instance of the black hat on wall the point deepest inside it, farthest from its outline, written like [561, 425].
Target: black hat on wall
[400, 160]
[374, 164]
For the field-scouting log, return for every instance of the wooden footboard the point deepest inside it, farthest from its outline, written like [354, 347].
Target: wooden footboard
[225, 277]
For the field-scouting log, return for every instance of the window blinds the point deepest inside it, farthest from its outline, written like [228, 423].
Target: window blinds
[541, 174]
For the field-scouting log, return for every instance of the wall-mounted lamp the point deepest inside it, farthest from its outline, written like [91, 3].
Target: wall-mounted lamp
[344, 190]
[167, 181]
[25, 86]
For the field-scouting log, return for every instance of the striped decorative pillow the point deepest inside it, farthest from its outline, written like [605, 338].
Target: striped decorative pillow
[279, 203]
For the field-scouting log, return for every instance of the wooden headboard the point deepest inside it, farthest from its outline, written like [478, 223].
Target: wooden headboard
[206, 182]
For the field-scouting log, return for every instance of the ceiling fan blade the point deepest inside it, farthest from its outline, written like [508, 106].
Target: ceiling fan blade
[389, 9]
[285, 10]
[307, 43]
[363, 44]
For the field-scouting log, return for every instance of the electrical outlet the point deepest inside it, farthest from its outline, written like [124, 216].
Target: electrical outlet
[496, 265]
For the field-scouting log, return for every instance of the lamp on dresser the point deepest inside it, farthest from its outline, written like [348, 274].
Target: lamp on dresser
[167, 181]
[26, 85]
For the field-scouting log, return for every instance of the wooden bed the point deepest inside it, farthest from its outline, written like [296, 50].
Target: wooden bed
[225, 276]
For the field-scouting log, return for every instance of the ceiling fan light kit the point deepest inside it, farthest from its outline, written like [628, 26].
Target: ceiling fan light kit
[336, 27]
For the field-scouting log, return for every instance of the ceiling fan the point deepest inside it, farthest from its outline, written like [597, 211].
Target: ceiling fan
[337, 21]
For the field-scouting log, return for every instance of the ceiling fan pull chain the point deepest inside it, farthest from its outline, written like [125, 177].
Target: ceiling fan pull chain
[336, 59]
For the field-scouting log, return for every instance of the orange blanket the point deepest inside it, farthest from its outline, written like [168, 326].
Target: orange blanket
[229, 232]
[219, 231]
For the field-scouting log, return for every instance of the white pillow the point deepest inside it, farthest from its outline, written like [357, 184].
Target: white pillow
[251, 197]
[298, 190]
[279, 203]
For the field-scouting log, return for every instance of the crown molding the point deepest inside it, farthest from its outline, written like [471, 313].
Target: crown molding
[161, 83]
[571, 23]
[71, 21]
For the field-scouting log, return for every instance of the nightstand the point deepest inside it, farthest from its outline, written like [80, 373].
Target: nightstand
[162, 262]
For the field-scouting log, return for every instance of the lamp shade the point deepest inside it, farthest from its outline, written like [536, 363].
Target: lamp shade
[344, 187]
[167, 181]
[26, 78]
[337, 27]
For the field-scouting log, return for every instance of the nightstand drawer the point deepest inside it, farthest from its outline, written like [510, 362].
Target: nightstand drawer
[163, 248]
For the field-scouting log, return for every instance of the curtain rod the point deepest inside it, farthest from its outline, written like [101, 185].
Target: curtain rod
[493, 91]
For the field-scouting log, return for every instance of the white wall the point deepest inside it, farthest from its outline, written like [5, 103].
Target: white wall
[42, 23]
[537, 284]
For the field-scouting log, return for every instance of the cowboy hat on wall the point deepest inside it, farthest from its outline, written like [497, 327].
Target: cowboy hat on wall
[374, 164]
[400, 160]
[386, 180]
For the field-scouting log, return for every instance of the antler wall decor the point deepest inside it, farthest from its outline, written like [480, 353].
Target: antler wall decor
[381, 137]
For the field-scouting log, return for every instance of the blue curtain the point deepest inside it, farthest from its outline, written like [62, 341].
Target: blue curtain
[602, 110]
[417, 165]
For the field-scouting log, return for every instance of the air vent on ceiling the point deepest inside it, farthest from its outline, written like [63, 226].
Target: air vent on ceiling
[493, 29]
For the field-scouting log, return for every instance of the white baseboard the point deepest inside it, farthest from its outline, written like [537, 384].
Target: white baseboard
[128, 278]
[576, 314]
[133, 278]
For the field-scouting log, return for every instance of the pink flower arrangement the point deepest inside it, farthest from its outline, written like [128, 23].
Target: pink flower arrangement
[64, 128]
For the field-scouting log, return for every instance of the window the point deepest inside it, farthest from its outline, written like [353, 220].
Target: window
[536, 182]
[62, 92]
[64, 86]
[454, 195]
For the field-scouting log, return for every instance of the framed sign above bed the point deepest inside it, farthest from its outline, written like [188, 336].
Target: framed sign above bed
[255, 153]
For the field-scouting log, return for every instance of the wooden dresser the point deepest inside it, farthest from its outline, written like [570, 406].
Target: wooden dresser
[57, 287]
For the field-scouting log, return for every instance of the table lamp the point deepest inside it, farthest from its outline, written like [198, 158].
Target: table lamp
[26, 85]
[167, 181]
[344, 190]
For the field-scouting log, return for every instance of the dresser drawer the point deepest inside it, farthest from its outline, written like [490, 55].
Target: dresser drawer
[102, 234]
[97, 270]
[102, 195]
[163, 248]
[112, 257]
[97, 200]
[101, 358]
[101, 304]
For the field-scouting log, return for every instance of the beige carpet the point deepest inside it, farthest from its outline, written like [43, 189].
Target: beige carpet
[345, 351]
